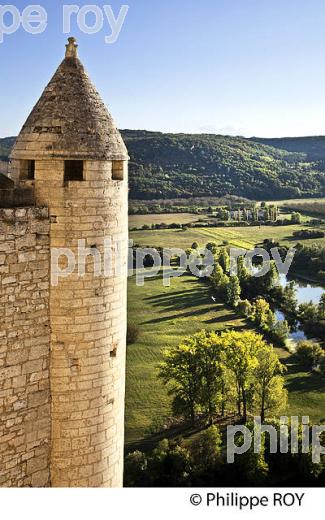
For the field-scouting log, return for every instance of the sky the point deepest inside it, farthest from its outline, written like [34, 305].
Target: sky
[236, 67]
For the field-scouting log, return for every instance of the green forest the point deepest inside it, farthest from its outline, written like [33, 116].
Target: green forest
[180, 166]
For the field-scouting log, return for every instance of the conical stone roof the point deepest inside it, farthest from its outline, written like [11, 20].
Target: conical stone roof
[70, 120]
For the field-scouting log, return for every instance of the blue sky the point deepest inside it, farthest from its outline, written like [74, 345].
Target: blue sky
[240, 67]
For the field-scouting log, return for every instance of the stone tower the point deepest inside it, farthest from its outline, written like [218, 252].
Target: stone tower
[71, 153]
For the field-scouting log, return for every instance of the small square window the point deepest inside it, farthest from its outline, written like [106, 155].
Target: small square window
[73, 170]
[118, 170]
[27, 170]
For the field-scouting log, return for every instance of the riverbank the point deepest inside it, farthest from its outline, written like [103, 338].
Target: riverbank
[306, 278]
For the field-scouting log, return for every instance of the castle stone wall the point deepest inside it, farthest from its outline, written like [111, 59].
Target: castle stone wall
[25, 431]
[88, 324]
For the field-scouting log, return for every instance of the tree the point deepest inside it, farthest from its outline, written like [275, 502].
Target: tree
[206, 449]
[280, 332]
[269, 383]
[252, 467]
[169, 464]
[272, 213]
[244, 308]
[233, 291]
[309, 354]
[135, 467]
[224, 259]
[132, 333]
[180, 371]
[261, 312]
[308, 312]
[269, 280]
[241, 361]
[289, 296]
[204, 370]
[242, 271]
[296, 217]
[211, 360]
[321, 307]
[195, 372]
[219, 280]
[195, 245]
[224, 214]
[212, 246]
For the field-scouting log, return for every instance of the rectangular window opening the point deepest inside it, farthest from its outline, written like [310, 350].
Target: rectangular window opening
[73, 170]
[27, 169]
[118, 170]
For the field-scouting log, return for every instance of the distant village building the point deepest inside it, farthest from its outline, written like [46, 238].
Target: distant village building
[254, 214]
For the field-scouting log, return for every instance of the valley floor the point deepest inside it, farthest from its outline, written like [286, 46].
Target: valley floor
[245, 237]
[164, 315]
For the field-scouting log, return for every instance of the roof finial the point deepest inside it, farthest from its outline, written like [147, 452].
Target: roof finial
[71, 48]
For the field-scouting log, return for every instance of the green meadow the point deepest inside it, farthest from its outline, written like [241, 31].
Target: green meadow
[165, 315]
[137, 221]
[246, 237]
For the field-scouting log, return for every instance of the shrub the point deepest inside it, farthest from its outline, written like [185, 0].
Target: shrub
[206, 449]
[308, 234]
[280, 332]
[309, 354]
[135, 469]
[244, 308]
[132, 334]
[212, 246]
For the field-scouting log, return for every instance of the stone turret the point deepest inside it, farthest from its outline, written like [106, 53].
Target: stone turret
[70, 121]
[70, 152]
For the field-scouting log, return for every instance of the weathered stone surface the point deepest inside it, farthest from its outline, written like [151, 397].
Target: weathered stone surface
[23, 323]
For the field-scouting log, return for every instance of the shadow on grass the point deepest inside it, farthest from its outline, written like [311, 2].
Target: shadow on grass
[188, 303]
[231, 316]
[184, 304]
[177, 433]
[303, 381]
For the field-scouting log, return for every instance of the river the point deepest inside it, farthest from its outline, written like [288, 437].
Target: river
[306, 292]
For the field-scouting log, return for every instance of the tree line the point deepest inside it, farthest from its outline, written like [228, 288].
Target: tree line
[215, 374]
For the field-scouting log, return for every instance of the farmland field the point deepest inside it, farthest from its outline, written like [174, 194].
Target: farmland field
[167, 218]
[245, 237]
[288, 202]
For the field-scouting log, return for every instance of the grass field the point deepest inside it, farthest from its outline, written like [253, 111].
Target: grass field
[164, 316]
[137, 221]
[287, 202]
[166, 218]
[236, 236]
